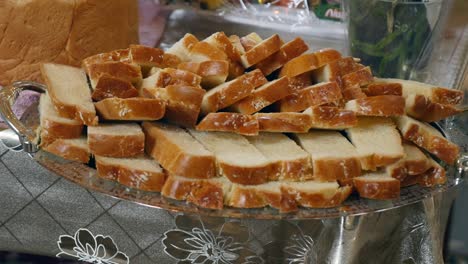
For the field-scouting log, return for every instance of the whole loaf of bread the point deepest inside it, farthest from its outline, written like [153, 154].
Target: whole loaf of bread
[61, 31]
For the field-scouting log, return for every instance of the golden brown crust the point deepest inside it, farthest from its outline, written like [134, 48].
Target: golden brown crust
[108, 86]
[358, 78]
[116, 55]
[334, 70]
[319, 94]
[336, 169]
[374, 161]
[204, 193]
[230, 122]
[52, 130]
[381, 105]
[447, 96]
[212, 72]
[231, 92]
[68, 151]
[377, 189]
[377, 88]
[351, 93]
[329, 117]
[116, 146]
[296, 170]
[177, 76]
[287, 122]
[146, 56]
[221, 41]
[422, 108]
[312, 199]
[437, 145]
[263, 96]
[242, 196]
[309, 62]
[121, 70]
[135, 178]
[261, 51]
[286, 53]
[202, 51]
[435, 175]
[131, 109]
[247, 175]
[175, 159]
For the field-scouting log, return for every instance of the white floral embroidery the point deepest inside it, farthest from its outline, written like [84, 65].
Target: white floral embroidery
[301, 249]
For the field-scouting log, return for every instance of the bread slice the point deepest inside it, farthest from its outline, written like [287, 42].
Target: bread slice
[377, 141]
[287, 122]
[169, 76]
[116, 140]
[377, 185]
[137, 109]
[236, 158]
[182, 47]
[287, 52]
[148, 57]
[141, 173]
[125, 71]
[206, 193]
[74, 149]
[315, 95]
[228, 93]
[422, 108]
[53, 126]
[330, 117]
[435, 175]
[178, 152]
[255, 196]
[352, 93]
[261, 51]
[301, 81]
[413, 163]
[68, 88]
[378, 88]
[222, 42]
[436, 94]
[229, 122]
[263, 96]
[309, 62]
[203, 51]
[213, 73]
[183, 103]
[334, 70]
[428, 138]
[359, 78]
[333, 156]
[115, 55]
[291, 161]
[381, 105]
[249, 41]
[313, 194]
[108, 86]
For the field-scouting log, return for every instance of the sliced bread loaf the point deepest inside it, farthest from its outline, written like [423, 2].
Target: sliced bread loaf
[148, 57]
[359, 78]
[381, 105]
[178, 152]
[263, 96]
[435, 175]
[141, 173]
[116, 140]
[308, 62]
[125, 71]
[183, 103]
[213, 72]
[377, 141]
[203, 51]
[315, 95]
[261, 51]
[428, 138]
[54, 126]
[229, 122]
[68, 88]
[378, 88]
[74, 149]
[422, 108]
[291, 161]
[206, 193]
[136, 109]
[182, 47]
[228, 93]
[313, 194]
[377, 185]
[255, 196]
[287, 52]
[333, 156]
[249, 41]
[330, 117]
[334, 70]
[108, 86]
[236, 158]
[436, 94]
[287, 122]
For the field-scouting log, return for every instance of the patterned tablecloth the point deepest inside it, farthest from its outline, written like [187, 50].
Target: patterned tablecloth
[45, 214]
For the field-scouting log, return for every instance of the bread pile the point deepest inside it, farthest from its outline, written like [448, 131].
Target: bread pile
[223, 107]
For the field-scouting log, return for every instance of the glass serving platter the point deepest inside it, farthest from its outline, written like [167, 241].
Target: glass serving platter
[86, 176]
